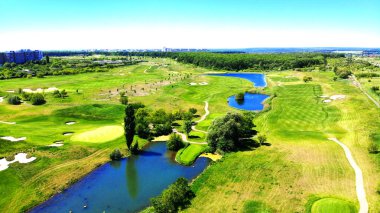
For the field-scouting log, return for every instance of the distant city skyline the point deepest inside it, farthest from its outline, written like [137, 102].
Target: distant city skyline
[211, 24]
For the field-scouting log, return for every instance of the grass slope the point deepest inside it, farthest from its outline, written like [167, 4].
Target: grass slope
[99, 135]
[188, 155]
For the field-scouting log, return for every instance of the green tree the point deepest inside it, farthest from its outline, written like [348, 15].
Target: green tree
[124, 100]
[176, 197]
[193, 111]
[129, 125]
[142, 123]
[225, 132]
[37, 99]
[14, 100]
[239, 96]
[187, 126]
[262, 139]
[175, 142]
[116, 155]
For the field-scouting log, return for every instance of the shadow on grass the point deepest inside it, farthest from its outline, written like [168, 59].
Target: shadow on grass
[194, 136]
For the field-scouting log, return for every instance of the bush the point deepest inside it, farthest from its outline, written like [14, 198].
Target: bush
[239, 96]
[37, 99]
[175, 142]
[373, 148]
[375, 88]
[116, 155]
[193, 111]
[14, 100]
[307, 79]
[124, 100]
[176, 197]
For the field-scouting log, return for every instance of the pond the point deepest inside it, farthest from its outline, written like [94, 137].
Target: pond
[257, 79]
[253, 102]
[124, 186]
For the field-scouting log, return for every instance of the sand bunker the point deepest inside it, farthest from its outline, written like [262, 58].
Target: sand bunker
[13, 139]
[337, 97]
[1, 99]
[202, 83]
[39, 90]
[213, 157]
[56, 144]
[5, 122]
[67, 133]
[332, 98]
[70, 122]
[10, 91]
[20, 157]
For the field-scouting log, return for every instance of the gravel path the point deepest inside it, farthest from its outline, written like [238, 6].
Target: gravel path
[358, 176]
[184, 137]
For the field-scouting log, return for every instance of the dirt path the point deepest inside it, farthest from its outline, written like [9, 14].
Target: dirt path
[358, 176]
[5, 122]
[358, 85]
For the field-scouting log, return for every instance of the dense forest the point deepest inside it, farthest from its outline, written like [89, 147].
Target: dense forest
[237, 62]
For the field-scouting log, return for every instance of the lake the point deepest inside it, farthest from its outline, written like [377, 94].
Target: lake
[257, 79]
[252, 102]
[124, 186]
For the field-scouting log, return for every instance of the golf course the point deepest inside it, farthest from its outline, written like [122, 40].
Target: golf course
[321, 130]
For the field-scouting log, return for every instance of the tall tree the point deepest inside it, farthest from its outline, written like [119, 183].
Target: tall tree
[129, 125]
[187, 126]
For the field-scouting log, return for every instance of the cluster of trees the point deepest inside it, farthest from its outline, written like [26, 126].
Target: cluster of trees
[175, 142]
[147, 123]
[176, 197]
[60, 94]
[34, 98]
[54, 66]
[226, 133]
[342, 73]
[116, 155]
[246, 61]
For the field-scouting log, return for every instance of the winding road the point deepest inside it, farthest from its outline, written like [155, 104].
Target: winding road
[184, 137]
[360, 191]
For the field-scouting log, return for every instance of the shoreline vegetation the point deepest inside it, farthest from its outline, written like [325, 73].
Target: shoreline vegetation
[295, 120]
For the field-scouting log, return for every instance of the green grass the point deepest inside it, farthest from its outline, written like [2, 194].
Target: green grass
[254, 206]
[188, 155]
[299, 163]
[99, 135]
[332, 205]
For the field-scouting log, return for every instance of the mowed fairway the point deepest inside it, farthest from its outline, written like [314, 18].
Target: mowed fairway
[99, 135]
[333, 205]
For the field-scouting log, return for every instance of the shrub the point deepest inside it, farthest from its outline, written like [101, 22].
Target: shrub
[373, 148]
[262, 139]
[239, 96]
[307, 79]
[116, 155]
[193, 111]
[375, 88]
[175, 142]
[124, 100]
[14, 100]
[37, 99]
[176, 197]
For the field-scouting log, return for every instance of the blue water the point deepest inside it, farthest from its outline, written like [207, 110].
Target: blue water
[123, 186]
[251, 102]
[256, 78]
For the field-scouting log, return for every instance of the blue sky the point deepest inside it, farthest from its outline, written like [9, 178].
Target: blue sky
[76, 24]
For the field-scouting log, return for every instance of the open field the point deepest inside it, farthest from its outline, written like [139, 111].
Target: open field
[299, 164]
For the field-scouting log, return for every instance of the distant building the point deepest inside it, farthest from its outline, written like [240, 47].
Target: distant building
[21, 56]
